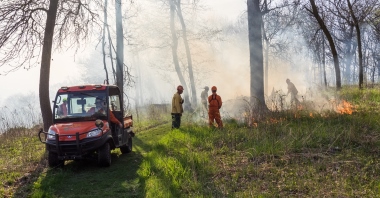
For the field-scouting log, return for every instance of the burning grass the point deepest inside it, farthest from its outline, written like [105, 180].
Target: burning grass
[300, 152]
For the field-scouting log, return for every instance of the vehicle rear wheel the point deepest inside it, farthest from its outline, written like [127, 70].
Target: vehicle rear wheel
[127, 148]
[104, 155]
[53, 160]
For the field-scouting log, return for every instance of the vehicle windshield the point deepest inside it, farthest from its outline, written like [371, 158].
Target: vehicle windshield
[80, 105]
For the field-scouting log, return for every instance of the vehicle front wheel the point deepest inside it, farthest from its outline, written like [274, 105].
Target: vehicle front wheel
[53, 160]
[104, 155]
[127, 148]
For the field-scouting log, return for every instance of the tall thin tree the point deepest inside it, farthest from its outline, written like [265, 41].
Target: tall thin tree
[188, 53]
[175, 55]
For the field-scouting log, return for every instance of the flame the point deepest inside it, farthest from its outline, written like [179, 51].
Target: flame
[345, 108]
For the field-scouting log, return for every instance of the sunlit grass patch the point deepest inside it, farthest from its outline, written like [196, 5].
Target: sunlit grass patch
[176, 163]
[21, 159]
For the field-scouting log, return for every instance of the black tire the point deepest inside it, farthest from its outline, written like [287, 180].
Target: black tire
[104, 155]
[53, 160]
[127, 148]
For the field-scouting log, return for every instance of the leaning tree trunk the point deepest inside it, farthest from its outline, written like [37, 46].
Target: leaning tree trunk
[45, 65]
[255, 52]
[188, 54]
[187, 103]
[331, 42]
[119, 51]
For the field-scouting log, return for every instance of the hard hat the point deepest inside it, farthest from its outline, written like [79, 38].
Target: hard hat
[213, 88]
[180, 87]
[206, 87]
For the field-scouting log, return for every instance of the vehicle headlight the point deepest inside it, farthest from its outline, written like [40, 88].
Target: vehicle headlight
[94, 132]
[51, 134]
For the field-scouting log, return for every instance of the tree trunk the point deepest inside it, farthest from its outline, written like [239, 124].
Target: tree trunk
[348, 57]
[47, 116]
[119, 50]
[188, 54]
[324, 61]
[104, 39]
[266, 71]
[187, 103]
[331, 42]
[255, 52]
[110, 51]
[319, 61]
[359, 44]
[377, 64]
[266, 64]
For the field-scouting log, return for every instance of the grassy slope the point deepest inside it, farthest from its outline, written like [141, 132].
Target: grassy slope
[296, 155]
[21, 161]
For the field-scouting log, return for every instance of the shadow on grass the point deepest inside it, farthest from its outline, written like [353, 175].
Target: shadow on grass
[24, 184]
[85, 178]
[180, 171]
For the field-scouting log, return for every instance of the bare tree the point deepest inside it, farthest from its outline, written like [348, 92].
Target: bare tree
[276, 20]
[357, 28]
[188, 54]
[175, 55]
[314, 11]
[24, 33]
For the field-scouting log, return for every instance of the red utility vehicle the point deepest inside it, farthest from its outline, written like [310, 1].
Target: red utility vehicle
[78, 133]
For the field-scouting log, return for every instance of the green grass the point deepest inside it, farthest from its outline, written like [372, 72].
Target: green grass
[22, 159]
[289, 154]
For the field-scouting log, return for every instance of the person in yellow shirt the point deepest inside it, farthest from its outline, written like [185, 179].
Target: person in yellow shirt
[177, 108]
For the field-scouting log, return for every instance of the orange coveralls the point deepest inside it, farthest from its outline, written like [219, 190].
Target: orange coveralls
[215, 103]
[63, 109]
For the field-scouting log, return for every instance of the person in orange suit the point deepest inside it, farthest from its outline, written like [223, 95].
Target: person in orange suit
[63, 108]
[99, 107]
[215, 103]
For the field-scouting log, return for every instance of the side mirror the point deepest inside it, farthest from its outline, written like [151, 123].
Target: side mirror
[99, 123]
